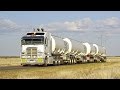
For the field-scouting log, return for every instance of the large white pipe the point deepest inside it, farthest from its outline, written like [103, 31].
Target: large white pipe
[58, 45]
[87, 48]
[96, 48]
[69, 45]
[75, 47]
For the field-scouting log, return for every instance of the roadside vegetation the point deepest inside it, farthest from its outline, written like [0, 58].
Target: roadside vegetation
[106, 70]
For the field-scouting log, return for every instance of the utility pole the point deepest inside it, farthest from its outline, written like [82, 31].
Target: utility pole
[101, 39]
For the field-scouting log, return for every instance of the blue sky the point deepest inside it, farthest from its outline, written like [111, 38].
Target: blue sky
[86, 26]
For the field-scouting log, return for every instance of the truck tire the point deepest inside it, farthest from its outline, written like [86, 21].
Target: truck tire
[95, 60]
[45, 63]
[71, 61]
[54, 63]
[58, 62]
[24, 65]
[103, 60]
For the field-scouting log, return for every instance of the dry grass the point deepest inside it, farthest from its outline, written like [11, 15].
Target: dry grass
[9, 61]
[108, 70]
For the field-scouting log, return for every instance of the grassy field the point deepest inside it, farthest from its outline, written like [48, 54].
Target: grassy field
[107, 70]
[6, 61]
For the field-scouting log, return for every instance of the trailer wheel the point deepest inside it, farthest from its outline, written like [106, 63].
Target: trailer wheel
[24, 65]
[103, 60]
[58, 62]
[72, 61]
[54, 63]
[68, 62]
[88, 61]
[75, 62]
[95, 60]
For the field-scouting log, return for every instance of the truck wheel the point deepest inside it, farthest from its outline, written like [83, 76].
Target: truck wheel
[95, 60]
[71, 61]
[88, 61]
[103, 60]
[45, 63]
[75, 62]
[54, 63]
[58, 62]
[24, 65]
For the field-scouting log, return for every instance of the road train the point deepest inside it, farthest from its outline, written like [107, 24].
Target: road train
[42, 48]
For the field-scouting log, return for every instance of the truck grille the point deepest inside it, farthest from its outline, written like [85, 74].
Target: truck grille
[31, 52]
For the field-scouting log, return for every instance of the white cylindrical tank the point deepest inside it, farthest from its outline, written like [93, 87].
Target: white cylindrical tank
[93, 49]
[87, 48]
[69, 44]
[58, 45]
[96, 49]
[75, 47]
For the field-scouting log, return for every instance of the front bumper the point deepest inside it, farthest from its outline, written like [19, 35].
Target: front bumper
[38, 61]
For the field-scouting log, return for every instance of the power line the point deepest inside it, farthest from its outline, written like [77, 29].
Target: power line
[101, 39]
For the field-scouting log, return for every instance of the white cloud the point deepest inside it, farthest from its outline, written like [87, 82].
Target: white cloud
[113, 21]
[77, 25]
[85, 24]
[70, 25]
[8, 24]
[107, 25]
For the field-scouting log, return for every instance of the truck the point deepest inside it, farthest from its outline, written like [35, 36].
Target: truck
[42, 48]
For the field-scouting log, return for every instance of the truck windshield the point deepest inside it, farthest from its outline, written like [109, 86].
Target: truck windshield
[32, 40]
